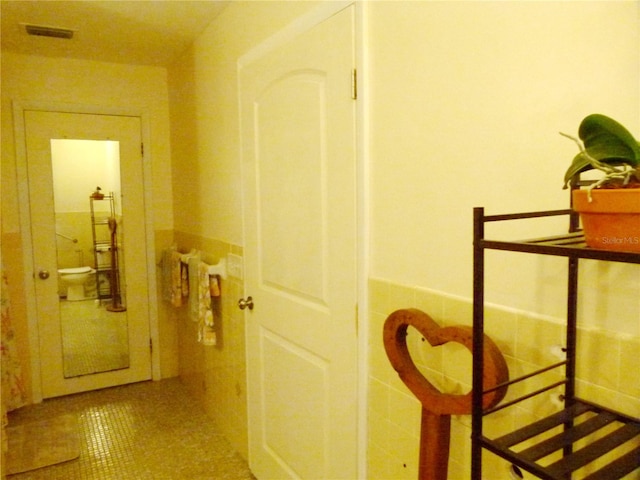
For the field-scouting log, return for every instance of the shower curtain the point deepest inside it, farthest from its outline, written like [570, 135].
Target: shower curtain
[13, 389]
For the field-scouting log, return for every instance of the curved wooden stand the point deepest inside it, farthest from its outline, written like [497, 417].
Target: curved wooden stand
[437, 407]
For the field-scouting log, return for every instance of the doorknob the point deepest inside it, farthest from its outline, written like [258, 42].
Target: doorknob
[43, 274]
[245, 303]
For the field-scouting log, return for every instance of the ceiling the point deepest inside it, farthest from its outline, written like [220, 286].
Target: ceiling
[138, 32]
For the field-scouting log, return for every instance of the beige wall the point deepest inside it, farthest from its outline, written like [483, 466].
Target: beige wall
[70, 81]
[83, 82]
[207, 194]
[467, 99]
[204, 118]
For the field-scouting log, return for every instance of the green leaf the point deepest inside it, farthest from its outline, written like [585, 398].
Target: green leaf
[579, 164]
[608, 141]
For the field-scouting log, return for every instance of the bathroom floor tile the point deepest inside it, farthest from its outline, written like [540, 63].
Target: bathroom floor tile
[93, 338]
[148, 430]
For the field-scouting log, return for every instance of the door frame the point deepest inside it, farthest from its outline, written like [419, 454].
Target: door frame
[19, 108]
[363, 226]
[306, 21]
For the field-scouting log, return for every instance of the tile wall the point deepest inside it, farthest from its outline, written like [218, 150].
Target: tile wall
[607, 366]
[216, 375]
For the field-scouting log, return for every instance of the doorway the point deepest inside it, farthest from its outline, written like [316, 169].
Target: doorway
[44, 132]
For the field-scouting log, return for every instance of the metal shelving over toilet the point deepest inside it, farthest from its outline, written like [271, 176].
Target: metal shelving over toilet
[105, 246]
[575, 442]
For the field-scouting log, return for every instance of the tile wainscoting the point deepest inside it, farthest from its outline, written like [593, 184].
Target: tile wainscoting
[216, 375]
[526, 340]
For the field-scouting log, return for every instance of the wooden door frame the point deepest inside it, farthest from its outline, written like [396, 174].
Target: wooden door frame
[20, 135]
[362, 128]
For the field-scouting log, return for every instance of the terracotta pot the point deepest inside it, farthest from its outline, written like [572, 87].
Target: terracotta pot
[611, 221]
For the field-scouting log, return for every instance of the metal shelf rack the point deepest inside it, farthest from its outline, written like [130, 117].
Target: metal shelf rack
[621, 429]
[105, 244]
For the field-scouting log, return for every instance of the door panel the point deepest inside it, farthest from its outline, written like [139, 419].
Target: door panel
[308, 423]
[298, 136]
[40, 128]
[299, 236]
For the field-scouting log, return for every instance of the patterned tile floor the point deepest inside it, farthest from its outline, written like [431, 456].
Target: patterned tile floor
[93, 339]
[148, 430]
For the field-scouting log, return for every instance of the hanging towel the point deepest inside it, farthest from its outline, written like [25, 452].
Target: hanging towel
[166, 274]
[176, 279]
[214, 286]
[171, 278]
[204, 294]
[194, 299]
[199, 290]
[207, 333]
[200, 301]
[184, 271]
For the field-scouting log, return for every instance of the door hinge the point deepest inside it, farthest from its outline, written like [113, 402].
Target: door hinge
[151, 345]
[142, 149]
[354, 84]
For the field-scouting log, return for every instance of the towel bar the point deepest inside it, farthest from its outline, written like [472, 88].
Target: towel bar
[219, 268]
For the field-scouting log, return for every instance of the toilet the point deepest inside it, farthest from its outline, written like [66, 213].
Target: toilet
[73, 280]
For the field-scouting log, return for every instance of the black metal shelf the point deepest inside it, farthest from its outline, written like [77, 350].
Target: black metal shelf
[561, 432]
[584, 431]
[570, 244]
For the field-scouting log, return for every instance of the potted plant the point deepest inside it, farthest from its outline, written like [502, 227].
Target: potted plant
[610, 206]
[97, 195]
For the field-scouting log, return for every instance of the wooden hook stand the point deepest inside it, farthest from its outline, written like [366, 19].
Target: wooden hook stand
[437, 407]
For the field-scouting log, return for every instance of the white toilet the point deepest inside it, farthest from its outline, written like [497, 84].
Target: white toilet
[73, 281]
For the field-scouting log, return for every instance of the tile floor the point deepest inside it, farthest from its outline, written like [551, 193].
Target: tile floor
[148, 430]
[93, 339]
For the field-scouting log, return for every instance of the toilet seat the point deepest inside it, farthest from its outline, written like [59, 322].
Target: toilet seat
[71, 271]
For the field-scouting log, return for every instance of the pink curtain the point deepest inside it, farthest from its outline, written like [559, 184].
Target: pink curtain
[13, 388]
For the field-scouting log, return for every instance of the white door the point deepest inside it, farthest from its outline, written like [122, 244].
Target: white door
[40, 128]
[299, 178]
